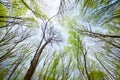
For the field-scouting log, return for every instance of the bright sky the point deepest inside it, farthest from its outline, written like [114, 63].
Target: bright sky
[50, 7]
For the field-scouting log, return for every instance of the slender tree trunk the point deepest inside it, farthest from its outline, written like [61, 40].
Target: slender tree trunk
[16, 66]
[34, 63]
[85, 65]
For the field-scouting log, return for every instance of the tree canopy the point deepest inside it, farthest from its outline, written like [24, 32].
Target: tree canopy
[80, 41]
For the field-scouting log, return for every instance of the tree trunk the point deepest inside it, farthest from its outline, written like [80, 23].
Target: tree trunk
[15, 67]
[34, 63]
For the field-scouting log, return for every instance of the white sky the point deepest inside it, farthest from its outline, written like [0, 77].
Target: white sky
[50, 7]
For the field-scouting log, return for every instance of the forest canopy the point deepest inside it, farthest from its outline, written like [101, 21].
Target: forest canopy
[60, 40]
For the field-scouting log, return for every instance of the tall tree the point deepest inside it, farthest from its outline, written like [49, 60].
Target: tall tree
[49, 36]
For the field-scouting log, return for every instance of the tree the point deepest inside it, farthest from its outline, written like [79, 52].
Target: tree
[12, 49]
[96, 19]
[50, 36]
[91, 50]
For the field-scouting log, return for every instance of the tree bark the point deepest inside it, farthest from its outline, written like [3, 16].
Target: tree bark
[34, 63]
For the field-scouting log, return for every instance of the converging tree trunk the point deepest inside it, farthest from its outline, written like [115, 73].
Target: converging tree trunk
[50, 35]
[34, 63]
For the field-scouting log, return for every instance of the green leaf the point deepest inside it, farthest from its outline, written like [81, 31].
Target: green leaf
[37, 9]
[3, 12]
[98, 75]
[18, 8]
[89, 3]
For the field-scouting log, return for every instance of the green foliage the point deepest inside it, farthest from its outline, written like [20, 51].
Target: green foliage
[100, 11]
[89, 3]
[116, 15]
[75, 44]
[3, 73]
[95, 11]
[68, 22]
[73, 39]
[18, 8]
[38, 12]
[97, 75]
[118, 78]
[3, 12]
[117, 68]
[31, 22]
